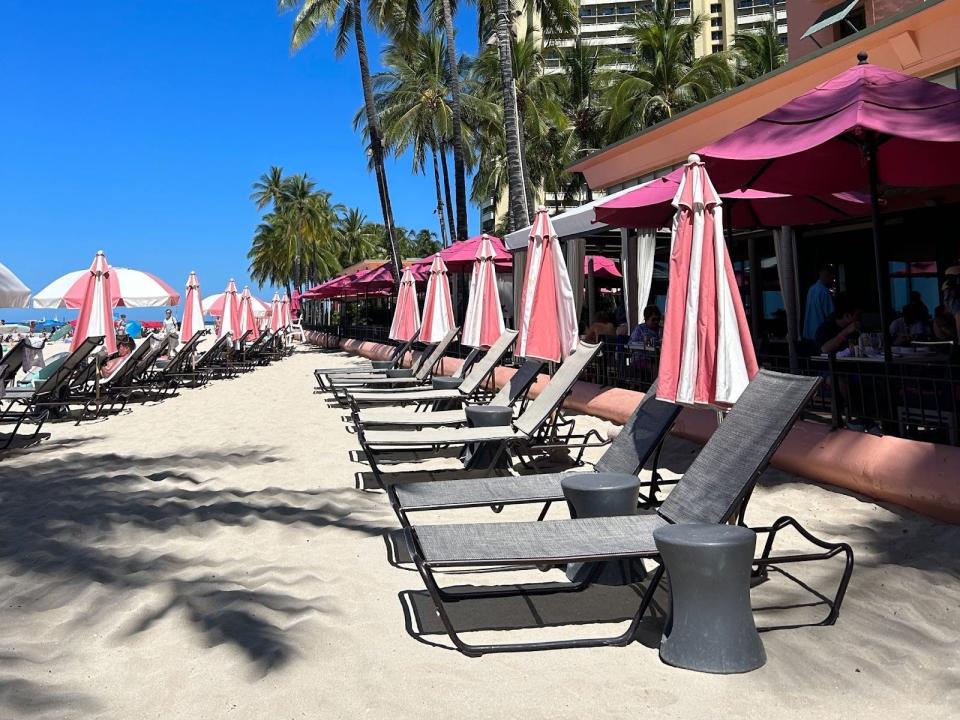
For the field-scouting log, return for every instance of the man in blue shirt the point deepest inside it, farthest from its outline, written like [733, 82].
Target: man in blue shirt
[819, 303]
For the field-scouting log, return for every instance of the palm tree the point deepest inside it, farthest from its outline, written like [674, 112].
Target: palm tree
[665, 75]
[268, 190]
[356, 238]
[315, 14]
[759, 51]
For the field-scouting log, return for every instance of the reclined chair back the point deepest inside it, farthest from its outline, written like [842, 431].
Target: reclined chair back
[488, 363]
[724, 472]
[519, 383]
[550, 398]
[13, 360]
[211, 355]
[402, 349]
[131, 367]
[436, 355]
[67, 373]
[640, 435]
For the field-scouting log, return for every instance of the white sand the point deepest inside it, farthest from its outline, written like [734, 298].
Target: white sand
[210, 557]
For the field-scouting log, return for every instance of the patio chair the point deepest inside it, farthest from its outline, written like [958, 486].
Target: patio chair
[539, 427]
[513, 391]
[399, 351]
[470, 388]
[12, 360]
[715, 489]
[640, 439]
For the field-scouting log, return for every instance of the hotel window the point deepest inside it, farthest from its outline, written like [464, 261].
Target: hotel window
[717, 48]
[716, 22]
[716, 35]
[716, 8]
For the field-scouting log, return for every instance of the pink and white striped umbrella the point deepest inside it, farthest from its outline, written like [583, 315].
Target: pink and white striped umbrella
[192, 311]
[128, 288]
[230, 319]
[247, 319]
[213, 305]
[548, 313]
[406, 314]
[96, 306]
[437, 305]
[707, 356]
[483, 322]
[285, 321]
[276, 313]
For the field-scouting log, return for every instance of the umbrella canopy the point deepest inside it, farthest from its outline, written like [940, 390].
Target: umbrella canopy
[548, 315]
[437, 305]
[96, 305]
[275, 313]
[816, 142]
[460, 256]
[192, 311]
[406, 315]
[651, 205]
[128, 288]
[332, 288]
[603, 267]
[247, 319]
[483, 322]
[707, 356]
[13, 293]
[213, 305]
[229, 311]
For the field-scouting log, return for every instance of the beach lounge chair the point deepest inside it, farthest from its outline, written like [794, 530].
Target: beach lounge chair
[208, 365]
[12, 360]
[539, 427]
[364, 365]
[166, 379]
[12, 424]
[421, 375]
[513, 391]
[357, 378]
[640, 439]
[715, 489]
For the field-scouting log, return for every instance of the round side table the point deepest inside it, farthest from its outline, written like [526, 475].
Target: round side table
[710, 627]
[381, 364]
[479, 455]
[442, 382]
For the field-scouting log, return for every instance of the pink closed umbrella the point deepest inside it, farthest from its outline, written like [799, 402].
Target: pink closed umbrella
[285, 312]
[548, 313]
[192, 311]
[437, 305]
[230, 320]
[247, 319]
[275, 313]
[96, 306]
[707, 356]
[406, 315]
[483, 322]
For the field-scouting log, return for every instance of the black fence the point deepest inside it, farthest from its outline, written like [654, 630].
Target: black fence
[916, 396]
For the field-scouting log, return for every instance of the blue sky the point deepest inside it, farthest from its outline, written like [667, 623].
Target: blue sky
[138, 127]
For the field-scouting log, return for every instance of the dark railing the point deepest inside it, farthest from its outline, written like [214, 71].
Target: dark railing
[910, 397]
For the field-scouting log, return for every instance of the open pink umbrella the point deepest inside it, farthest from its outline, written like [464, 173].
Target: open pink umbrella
[192, 312]
[483, 322]
[406, 315]
[437, 306]
[276, 313]
[459, 256]
[96, 306]
[548, 314]
[603, 267]
[230, 319]
[247, 319]
[128, 288]
[707, 356]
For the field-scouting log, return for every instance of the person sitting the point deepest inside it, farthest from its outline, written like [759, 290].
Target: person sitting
[602, 325]
[944, 325]
[124, 348]
[840, 328]
[649, 333]
[910, 326]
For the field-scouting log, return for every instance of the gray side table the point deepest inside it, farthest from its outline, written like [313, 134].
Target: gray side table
[441, 382]
[399, 373]
[600, 494]
[381, 364]
[479, 455]
[710, 627]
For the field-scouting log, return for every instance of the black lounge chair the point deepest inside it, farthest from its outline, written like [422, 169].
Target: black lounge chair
[12, 360]
[640, 439]
[166, 379]
[715, 489]
[354, 378]
[539, 427]
[396, 357]
[210, 364]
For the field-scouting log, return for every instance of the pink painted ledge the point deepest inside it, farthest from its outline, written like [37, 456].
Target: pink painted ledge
[917, 475]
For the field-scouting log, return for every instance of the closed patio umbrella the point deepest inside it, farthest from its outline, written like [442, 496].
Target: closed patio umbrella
[192, 311]
[276, 314]
[230, 317]
[247, 319]
[707, 357]
[96, 306]
[483, 322]
[285, 321]
[437, 305]
[406, 314]
[13, 293]
[548, 314]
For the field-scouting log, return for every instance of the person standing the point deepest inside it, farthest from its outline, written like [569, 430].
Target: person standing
[819, 303]
[171, 331]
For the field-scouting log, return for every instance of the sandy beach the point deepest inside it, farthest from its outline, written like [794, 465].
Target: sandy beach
[211, 556]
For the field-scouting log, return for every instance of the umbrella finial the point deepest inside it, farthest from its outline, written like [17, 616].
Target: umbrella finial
[693, 158]
[862, 57]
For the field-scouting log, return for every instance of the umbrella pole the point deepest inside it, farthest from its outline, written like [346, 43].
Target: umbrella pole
[883, 290]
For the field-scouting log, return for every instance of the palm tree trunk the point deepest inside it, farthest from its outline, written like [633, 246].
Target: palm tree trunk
[519, 214]
[436, 180]
[456, 139]
[376, 146]
[446, 185]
